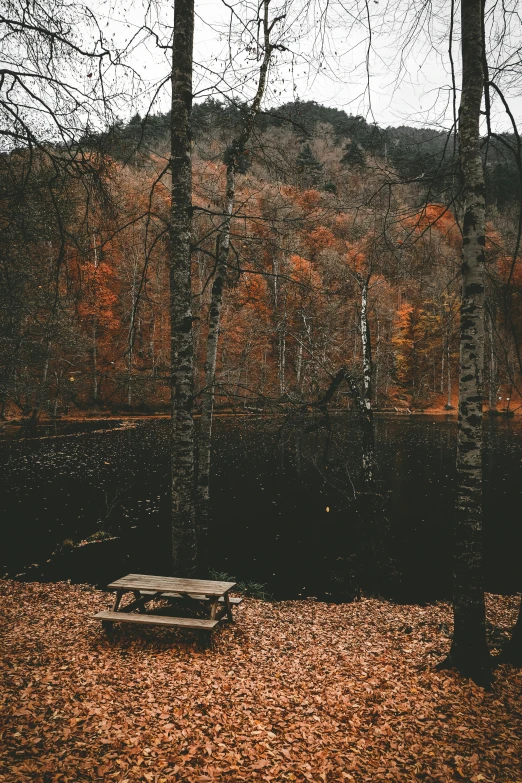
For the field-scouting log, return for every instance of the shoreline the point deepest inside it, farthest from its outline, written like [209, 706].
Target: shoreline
[93, 417]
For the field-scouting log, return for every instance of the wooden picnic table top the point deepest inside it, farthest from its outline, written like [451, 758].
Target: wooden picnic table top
[163, 584]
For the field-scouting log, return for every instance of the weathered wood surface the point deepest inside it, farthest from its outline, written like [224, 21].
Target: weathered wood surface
[117, 600]
[195, 596]
[162, 584]
[154, 619]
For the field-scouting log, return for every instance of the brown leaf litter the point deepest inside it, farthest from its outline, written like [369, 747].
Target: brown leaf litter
[293, 691]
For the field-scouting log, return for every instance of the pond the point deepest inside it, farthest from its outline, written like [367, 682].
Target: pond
[283, 506]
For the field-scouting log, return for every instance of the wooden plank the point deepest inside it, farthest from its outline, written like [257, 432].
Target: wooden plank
[155, 619]
[171, 584]
[197, 597]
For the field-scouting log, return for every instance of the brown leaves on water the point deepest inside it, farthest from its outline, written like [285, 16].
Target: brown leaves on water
[294, 691]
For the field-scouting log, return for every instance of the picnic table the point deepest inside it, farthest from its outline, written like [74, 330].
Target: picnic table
[191, 592]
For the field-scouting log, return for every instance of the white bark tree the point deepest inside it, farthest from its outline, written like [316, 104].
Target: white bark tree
[469, 651]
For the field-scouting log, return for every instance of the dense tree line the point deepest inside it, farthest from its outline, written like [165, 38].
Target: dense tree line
[87, 324]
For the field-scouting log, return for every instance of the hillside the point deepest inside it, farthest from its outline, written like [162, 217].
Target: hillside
[411, 152]
[329, 209]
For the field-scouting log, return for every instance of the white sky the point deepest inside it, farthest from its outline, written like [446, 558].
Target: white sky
[414, 90]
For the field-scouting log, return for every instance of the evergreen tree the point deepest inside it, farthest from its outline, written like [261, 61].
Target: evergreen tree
[309, 168]
[354, 156]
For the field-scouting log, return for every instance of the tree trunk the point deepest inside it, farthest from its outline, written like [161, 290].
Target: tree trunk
[512, 652]
[237, 150]
[298, 366]
[214, 318]
[281, 351]
[377, 363]
[442, 366]
[95, 326]
[469, 652]
[184, 549]
[132, 328]
[492, 370]
[448, 398]
[368, 433]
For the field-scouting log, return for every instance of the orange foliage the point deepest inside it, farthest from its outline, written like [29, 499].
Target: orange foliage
[320, 238]
[309, 199]
[435, 216]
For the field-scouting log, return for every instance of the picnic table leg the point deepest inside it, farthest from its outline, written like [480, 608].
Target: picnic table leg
[139, 598]
[106, 624]
[213, 607]
[117, 600]
[228, 608]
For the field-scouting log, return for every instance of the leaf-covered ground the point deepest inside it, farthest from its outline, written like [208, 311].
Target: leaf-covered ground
[294, 691]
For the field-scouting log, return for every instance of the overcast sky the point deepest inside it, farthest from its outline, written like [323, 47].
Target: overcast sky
[410, 75]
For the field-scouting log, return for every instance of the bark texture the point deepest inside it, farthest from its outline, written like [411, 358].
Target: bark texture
[371, 527]
[237, 150]
[469, 652]
[184, 550]
[512, 652]
[368, 430]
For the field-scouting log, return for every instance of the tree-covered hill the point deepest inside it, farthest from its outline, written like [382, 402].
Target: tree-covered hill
[426, 156]
[330, 211]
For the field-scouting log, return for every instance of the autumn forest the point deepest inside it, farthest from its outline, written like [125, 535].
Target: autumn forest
[330, 211]
[260, 391]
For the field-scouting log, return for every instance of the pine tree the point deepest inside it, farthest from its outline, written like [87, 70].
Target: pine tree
[354, 156]
[309, 168]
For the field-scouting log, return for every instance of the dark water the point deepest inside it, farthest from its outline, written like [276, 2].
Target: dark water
[271, 488]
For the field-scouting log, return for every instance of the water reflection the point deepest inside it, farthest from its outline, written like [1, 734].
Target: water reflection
[285, 503]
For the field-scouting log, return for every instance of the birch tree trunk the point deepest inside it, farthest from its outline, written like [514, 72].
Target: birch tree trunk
[95, 327]
[368, 433]
[184, 550]
[492, 370]
[448, 398]
[281, 353]
[372, 532]
[469, 652]
[132, 328]
[237, 150]
[298, 366]
[442, 366]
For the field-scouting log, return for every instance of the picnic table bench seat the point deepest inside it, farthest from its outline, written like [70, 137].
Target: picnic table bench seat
[147, 588]
[157, 619]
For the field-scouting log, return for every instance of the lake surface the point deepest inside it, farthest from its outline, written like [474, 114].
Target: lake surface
[283, 505]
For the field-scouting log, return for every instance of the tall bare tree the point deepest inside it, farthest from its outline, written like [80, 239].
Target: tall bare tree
[469, 651]
[236, 155]
[184, 550]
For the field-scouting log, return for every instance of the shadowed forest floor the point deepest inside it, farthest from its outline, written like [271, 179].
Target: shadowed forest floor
[298, 691]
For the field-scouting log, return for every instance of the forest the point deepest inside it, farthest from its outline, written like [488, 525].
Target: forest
[260, 391]
[330, 210]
